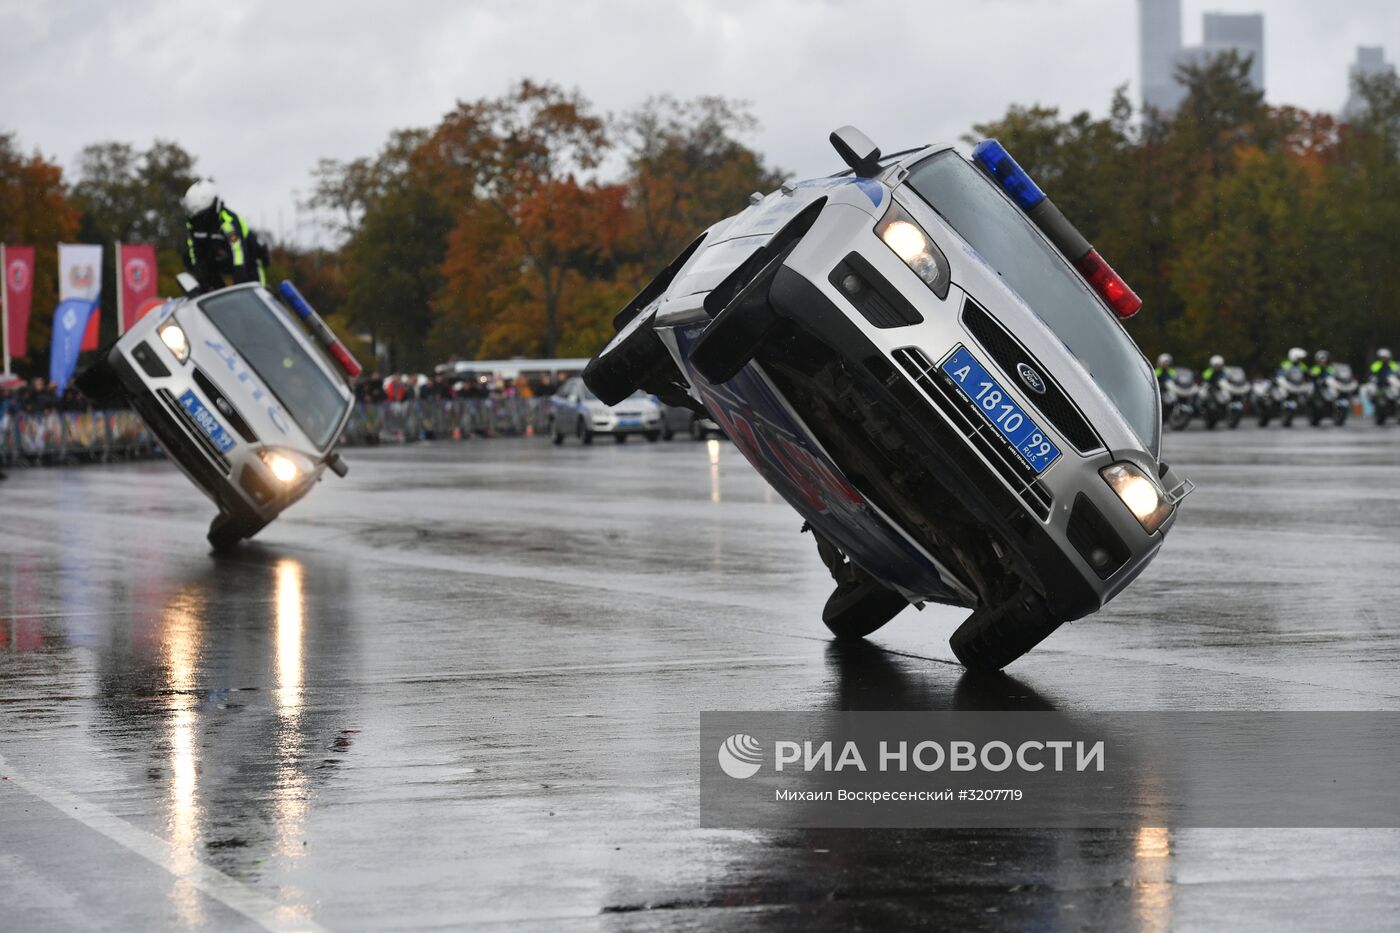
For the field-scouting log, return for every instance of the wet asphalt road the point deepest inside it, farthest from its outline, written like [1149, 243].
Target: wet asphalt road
[460, 688]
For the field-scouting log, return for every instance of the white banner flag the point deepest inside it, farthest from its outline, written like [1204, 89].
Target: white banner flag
[79, 271]
[80, 282]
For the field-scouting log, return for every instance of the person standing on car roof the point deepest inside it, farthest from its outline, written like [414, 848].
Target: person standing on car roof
[218, 243]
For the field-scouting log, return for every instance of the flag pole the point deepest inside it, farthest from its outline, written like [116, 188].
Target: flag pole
[121, 317]
[5, 308]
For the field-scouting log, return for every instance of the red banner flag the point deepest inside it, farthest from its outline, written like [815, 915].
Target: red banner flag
[19, 297]
[137, 266]
[90, 337]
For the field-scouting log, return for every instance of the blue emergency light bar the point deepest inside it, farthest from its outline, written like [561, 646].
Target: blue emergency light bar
[997, 162]
[992, 157]
[319, 329]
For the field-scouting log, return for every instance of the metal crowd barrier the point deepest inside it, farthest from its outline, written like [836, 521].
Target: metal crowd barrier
[54, 438]
[60, 437]
[443, 419]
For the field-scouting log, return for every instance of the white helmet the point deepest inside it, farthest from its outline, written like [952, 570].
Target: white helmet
[1383, 353]
[1164, 360]
[1217, 361]
[1297, 354]
[201, 196]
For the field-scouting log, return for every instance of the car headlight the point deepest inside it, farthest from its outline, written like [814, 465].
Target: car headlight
[1140, 493]
[173, 336]
[902, 233]
[287, 467]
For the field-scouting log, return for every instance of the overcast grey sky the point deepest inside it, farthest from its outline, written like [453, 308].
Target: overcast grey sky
[258, 90]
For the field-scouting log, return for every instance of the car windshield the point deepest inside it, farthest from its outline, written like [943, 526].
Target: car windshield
[280, 361]
[1003, 236]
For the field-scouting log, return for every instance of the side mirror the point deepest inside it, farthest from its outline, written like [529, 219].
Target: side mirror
[188, 284]
[857, 151]
[337, 466]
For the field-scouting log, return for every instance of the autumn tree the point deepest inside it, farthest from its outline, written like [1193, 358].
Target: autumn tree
[396, 226]
[35, 210]
[128, 196]
[532, 223]
[687, 170]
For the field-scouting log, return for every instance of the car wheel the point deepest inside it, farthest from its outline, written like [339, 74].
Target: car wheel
[728, 343]
[585, 436]
[858, 607]
[633, 358]
[555, 433]
[99, 381]
[667, 433]
[225, 532]
[653, 436]
[993, 637]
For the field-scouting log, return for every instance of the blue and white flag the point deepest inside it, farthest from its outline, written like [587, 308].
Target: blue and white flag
[79, 291]
[70, 320]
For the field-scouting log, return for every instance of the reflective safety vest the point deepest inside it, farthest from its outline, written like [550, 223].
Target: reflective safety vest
[1387, 365]
[234, 230]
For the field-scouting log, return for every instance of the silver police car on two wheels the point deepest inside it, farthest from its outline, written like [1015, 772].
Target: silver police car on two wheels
[927, 360]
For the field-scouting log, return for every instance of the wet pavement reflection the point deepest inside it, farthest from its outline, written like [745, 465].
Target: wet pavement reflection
[462, 688]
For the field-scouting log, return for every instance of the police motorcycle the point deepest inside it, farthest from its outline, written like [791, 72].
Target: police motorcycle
[1180, 399]
[1332, 393]
[1266, 400]
[1383, 392]
[1224, 399]
[1295, 392]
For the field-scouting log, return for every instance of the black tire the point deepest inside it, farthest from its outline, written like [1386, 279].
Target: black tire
[1212, 419]
[585, 436]
[225, 532]
[993, 637]
[1287, 419]
[556, 435]
[1179, 420]
[857, 608]
[1314, 417]
[667, 433]
[731, 339]
[1235, 417]
[1339, 417]
[653, 436]
[1264, 418]
[633, 358]
[99, 382]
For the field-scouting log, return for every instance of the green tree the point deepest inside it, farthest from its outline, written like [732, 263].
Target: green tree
[128, 196]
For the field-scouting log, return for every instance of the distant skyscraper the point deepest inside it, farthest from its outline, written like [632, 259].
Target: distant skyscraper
[1239, 32]
[1160, 44]
[1370, 62]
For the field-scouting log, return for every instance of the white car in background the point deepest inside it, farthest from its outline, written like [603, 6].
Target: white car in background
[239, 395]
[574, 411]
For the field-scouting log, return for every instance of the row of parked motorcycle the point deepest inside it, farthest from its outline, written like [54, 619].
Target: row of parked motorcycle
[1326, 392]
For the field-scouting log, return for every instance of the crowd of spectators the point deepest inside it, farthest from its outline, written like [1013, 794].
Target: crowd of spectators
[400, 387]
[36, 397]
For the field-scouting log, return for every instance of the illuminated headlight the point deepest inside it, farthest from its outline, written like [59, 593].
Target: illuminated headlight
[173, 336]
[1140, 493]
[903, 234]
[286, 466]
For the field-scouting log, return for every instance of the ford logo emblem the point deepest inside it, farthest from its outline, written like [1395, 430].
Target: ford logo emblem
[1031, 378]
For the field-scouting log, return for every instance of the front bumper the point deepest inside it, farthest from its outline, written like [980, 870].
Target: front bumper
[236, 484]
[930, 476]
